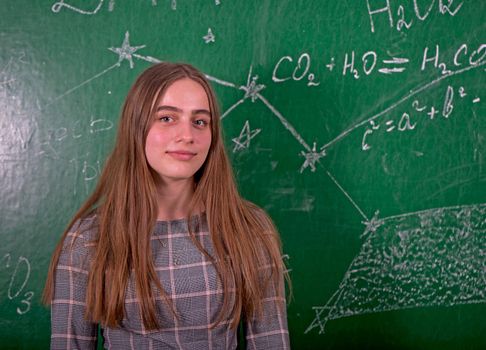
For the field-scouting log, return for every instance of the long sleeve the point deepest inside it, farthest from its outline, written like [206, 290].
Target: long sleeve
[69, 328]
[271, 331]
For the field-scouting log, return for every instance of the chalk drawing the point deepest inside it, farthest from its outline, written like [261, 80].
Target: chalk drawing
[55, 99]
[209, 37]
[433, 257]
[287, 126]
[296, 201]
[56, 7]
[347, 195]
[252, 88]
[126, 51]
[246, 135]
[311, 158]
[228, 111]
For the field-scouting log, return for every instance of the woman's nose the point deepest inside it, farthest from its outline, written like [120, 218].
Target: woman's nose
[185, 132]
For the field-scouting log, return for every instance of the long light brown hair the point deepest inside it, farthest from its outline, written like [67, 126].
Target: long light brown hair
[124, 201]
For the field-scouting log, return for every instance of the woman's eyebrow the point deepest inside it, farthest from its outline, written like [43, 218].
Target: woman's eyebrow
[170, 108]
[201, 111]
[175, 109]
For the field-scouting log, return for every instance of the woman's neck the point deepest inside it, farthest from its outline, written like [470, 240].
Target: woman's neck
[174, 199]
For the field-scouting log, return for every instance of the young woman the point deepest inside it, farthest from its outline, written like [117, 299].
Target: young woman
[165, 254]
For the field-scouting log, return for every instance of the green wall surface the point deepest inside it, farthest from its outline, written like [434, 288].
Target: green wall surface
[359, 125]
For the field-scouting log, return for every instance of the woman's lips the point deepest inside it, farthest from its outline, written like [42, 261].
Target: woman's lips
[181, 155]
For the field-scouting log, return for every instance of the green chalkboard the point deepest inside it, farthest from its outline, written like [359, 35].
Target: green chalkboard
[359, 125]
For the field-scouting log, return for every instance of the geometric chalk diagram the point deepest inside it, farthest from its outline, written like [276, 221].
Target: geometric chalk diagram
[435, 257]
[427, 258]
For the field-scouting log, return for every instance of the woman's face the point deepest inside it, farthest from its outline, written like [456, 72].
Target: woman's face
[179, 138]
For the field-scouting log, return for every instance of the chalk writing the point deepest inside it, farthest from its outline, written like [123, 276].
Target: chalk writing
[19, 278]
[389, 65]
[94, 7]
[15, 137]
[87, 171]
[358, 65]
[17, 126]
[52, 142]
[300, 71]
[405, 122]
[407, 97]
[404, 17]
[477, 57]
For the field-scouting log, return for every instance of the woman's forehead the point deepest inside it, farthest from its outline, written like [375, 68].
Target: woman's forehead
[185, 93]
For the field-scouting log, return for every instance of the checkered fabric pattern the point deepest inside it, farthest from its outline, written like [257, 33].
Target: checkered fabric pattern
[189, 279]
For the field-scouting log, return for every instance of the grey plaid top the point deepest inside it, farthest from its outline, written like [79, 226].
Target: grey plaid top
[189, 279]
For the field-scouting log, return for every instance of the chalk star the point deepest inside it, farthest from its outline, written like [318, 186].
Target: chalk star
[311, 158]
[126, 51]
[209, 37]
[246, 134]
[373, 224]
[252, 88]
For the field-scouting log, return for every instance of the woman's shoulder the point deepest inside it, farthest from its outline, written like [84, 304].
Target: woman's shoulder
[79, 242]
[82, 232]
[85, 227]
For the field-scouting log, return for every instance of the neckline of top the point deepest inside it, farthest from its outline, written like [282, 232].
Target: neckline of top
[182, 220]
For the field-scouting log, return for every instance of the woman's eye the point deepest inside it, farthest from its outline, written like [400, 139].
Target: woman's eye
[165, 118]
[201, 122]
